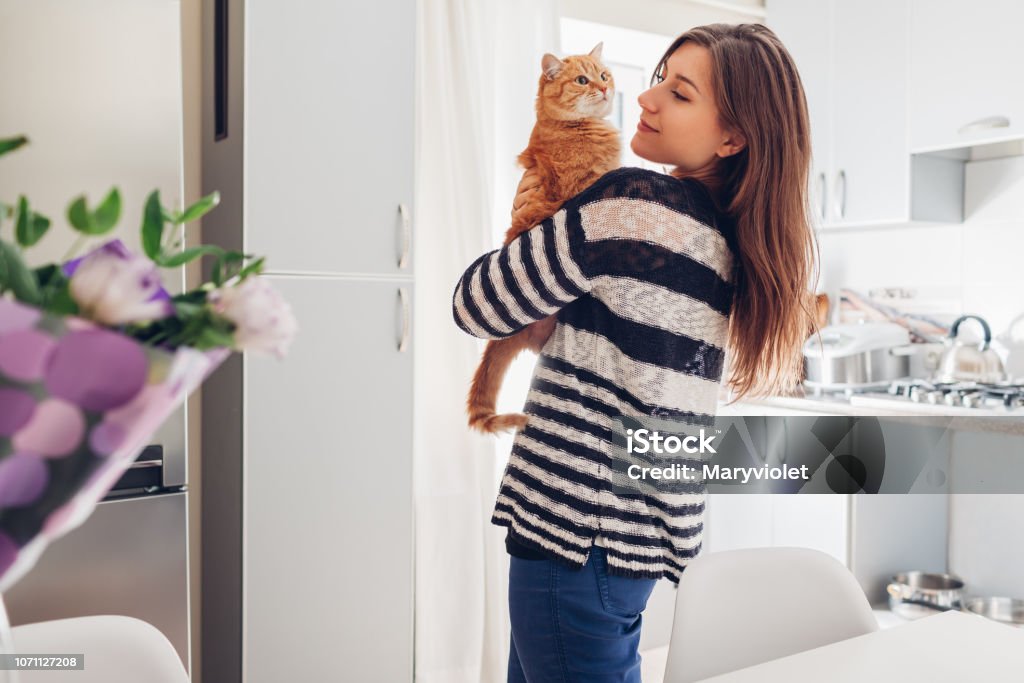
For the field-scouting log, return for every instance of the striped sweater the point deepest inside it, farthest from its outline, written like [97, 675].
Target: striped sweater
[639, 268]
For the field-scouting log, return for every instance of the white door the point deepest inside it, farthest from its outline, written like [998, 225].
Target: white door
[327, 510]
[329, 134]
[870, 164]
[965, 84]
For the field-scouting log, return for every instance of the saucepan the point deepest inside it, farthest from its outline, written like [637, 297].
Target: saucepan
[856, 356]
[919, 594]
[1008, 611]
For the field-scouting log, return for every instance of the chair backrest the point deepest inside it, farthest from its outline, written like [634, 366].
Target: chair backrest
[739, 608]
[117, 649]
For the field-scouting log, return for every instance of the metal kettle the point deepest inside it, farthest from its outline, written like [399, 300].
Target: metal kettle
[965, 363]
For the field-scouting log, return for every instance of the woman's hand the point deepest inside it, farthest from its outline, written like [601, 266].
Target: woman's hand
[529, 186]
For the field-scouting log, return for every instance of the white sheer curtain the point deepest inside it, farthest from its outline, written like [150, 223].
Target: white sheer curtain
[477, 68]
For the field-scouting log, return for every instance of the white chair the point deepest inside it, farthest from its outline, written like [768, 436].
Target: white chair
[739, 608]
[117, 649]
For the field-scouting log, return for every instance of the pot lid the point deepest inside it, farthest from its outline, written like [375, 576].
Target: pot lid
[837, 341]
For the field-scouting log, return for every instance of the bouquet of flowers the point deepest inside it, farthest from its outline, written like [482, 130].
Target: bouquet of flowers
[95, 354]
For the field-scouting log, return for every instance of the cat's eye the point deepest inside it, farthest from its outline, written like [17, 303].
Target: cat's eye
[582, 80]
[604, 77]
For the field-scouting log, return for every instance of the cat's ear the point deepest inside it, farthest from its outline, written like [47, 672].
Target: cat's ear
[552, 65]
[596, 52]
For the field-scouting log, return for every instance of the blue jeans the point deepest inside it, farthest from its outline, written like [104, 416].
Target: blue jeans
[572, 626]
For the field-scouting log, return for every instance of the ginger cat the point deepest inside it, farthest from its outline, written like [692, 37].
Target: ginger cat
[570, 147]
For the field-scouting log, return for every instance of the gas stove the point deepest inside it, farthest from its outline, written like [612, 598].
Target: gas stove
[960, 394]
[946, 397]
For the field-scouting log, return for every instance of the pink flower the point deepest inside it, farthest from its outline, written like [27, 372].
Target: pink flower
[263, 319]
[113, 289]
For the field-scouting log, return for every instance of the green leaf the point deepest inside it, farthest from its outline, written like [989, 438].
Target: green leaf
[196, 296]
[187, 309]
[96, 222]
[30, 227]
[254, 268]
[200, 208]
[108, 212]
[78, 215]
[16, 277]
[11, 144]
[49, 274]
[187, 255]
[211, 337]
[59, 301]
[54, 287]
[223, 267]
[152, 225]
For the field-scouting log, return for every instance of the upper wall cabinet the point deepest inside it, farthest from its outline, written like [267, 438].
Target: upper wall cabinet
[853, 63]
[329, 100]
[965, 60]
[804, 26]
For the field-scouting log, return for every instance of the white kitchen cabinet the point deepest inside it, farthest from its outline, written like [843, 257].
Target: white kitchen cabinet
[804, 26]
[329, 134]
[965, 60]
[328, 485]
[870, 165]
[853, 61]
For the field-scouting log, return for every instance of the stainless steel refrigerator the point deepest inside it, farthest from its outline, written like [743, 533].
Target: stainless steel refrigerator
[96, 85]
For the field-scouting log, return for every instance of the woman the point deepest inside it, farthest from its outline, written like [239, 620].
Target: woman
[653, 276]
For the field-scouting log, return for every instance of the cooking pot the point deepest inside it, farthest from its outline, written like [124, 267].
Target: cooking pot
[855, 356]
[918, 594]
[1009, 611]
[965, 363]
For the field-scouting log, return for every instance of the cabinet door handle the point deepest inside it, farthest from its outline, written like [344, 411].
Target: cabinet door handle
[987, 123]
[404, 325]
[823, 191]
[406, 220]
[840, 207]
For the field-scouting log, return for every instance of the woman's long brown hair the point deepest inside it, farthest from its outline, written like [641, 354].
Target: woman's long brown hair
[764, 189]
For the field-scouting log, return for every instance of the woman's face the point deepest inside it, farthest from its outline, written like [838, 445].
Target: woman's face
[679, 123]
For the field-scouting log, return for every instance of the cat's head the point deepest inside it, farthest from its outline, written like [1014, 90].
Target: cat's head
[577, 87]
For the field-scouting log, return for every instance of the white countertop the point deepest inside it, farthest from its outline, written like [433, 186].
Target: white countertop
[951, 647]
[965, 419]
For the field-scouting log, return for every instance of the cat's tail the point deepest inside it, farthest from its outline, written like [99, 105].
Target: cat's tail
[483, 392]
[497, 358]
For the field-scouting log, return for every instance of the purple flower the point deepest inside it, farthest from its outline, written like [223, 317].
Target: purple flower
[263, 319]
[112, 286]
